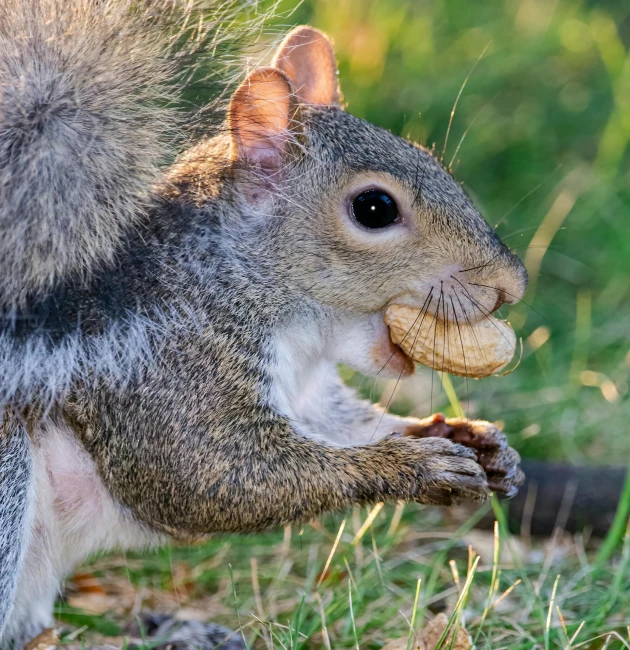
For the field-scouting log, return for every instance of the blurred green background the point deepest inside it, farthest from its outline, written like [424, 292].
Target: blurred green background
[540, 141]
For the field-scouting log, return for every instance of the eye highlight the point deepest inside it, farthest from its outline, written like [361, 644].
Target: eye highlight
[375, 209]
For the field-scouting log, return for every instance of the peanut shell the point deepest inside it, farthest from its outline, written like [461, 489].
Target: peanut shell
[470, 350]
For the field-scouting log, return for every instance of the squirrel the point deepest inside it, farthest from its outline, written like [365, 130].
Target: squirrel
[174, 311]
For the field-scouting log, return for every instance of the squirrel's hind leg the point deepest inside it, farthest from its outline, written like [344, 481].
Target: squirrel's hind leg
[16, 497]
[69, 514]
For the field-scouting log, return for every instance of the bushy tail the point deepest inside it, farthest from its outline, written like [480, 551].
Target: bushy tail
[90, 99]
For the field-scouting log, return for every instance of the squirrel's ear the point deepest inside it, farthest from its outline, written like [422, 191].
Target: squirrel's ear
[262, 118]
[307, 57]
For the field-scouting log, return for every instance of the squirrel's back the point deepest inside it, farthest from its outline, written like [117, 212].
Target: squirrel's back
[88, 112]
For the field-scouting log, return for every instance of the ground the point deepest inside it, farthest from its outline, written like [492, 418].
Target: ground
[346, 583]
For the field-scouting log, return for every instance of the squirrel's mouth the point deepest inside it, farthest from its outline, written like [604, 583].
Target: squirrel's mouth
[386, 355]
[477, 350]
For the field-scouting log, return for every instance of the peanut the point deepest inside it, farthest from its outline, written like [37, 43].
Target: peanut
[470, 350]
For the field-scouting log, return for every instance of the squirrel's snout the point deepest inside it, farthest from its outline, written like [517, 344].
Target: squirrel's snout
[516, 282]
[508, 277]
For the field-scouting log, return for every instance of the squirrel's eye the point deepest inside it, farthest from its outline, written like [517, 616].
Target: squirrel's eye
[375, 209]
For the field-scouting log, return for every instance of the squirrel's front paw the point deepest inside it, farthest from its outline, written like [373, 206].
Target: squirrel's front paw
[445, 472]
[499, 461]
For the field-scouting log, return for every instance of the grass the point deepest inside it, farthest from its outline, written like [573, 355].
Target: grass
[347, 585]
[540, 139]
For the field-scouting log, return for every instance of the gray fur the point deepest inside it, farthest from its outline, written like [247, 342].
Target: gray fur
[35, 371]
[90, 112]
[209, 396]
[15, 475]
[145, 315]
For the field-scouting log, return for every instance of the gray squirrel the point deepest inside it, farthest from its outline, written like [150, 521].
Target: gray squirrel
[170, 332]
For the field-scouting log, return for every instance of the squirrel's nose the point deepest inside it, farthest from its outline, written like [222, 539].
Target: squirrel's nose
[504, 296]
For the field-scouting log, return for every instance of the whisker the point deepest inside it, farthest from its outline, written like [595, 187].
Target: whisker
[481, 266]
[391, 397]
[499, 254]
[519, 232]
[434, 341]
[487, 314]
[459, 94]
[445, 334]
[416, 198]
[472, 331]
[527, 194]
[461, 341]
[520, 358]
[461, 140]
[418, 195]
[429, 298]
[511, 295]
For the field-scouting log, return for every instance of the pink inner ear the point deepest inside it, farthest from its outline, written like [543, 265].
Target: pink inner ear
[260, 117]
[307, 57]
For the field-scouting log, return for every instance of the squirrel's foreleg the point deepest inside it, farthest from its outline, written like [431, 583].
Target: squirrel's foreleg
[197, 471]
[338, 416]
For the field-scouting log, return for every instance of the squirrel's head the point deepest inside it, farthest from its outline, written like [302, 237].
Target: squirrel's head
[356, 217]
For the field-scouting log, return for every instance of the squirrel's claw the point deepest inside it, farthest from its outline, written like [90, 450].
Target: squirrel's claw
[499, 461]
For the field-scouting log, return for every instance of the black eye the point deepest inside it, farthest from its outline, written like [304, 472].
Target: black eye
[375, 209]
